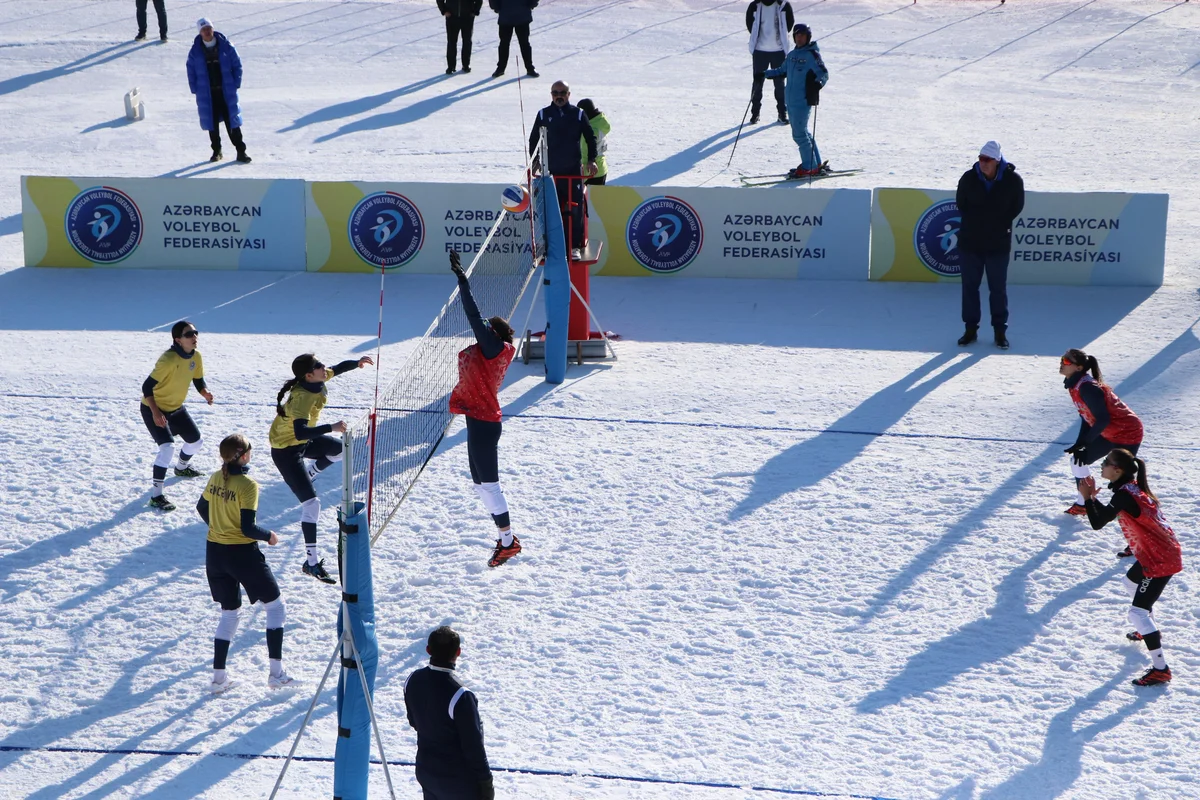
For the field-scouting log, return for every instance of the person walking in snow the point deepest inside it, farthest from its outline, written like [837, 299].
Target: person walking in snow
[160, 9]
[296, 437]
[460, 19]
[163, 393]
[1152, 541]
[452, 763]
[1105, 422]
[481, 369]
[768, 22]
[229, 507]
[214, 72]
[806, 75]
[600, 129]
[514, 15]
[990, 196]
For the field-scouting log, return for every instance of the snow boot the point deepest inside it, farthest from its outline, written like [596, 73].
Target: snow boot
[970, 335]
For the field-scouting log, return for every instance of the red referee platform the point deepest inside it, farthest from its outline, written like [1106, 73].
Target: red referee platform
[582, 342]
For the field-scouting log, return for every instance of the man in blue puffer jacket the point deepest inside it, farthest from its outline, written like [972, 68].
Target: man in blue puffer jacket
[514, 15]
[806, 75]
[214, 76]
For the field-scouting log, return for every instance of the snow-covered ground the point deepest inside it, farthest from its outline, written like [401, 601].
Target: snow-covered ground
[793, 539]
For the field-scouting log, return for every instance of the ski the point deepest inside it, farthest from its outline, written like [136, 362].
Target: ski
[782, 175]
[774, 180]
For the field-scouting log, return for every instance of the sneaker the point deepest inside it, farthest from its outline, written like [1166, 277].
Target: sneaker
[970, 335]
[1133, 636]
[503, 553]
[1077, 510]
[783, 119]
[220, 687]
[532, 73]
[754, 119]
[499, 73]
[187, 471]
[163, 38]
[141, 37]
[317, 570]
[161, 503]
[243, 158]
[281, 681]
[1126, 553]
[1001, 339]
[216, 156]
[450, 70]
[576, 254]
[465, 70]
[1153, 677]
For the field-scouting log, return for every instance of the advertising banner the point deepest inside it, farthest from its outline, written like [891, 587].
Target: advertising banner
[157, 223]
[814, 234]
[1086, 238]
[405, 227]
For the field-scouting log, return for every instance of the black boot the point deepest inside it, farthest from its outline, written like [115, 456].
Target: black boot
[969, 336]
[1001, 338]
[216, 156]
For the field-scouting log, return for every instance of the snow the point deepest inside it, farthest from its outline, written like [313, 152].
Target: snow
[793, 539]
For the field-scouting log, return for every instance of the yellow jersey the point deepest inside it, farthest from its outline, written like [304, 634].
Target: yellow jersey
[300, 404]
[174, 374]
[227, 497]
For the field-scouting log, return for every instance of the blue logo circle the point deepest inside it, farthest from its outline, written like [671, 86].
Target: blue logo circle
[386, 230]
[664, 234]
[935, 238]
[103, 224]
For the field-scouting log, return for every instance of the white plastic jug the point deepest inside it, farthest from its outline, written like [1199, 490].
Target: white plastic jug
[134, 108]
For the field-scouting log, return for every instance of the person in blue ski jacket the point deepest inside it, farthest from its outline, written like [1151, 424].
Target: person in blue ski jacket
[806, 75]
[215, 75]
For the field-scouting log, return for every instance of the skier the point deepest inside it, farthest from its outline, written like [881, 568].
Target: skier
[768, 22]
[481, 369]
[229, 507]
[1105, 422]
[1153, 542]
[806, 75]
[296, 436]
[215, 75]
[163, 393]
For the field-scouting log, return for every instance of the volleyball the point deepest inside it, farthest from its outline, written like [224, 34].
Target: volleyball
[514, 199]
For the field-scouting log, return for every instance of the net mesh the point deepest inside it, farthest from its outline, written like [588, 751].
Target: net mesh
[413, 411]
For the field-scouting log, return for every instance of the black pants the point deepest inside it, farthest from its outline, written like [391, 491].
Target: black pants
[974, 266]
[179, 423]
[506, 32]
[1148, 589]
[483, 445]
[764, 60]
[447, 787]
[160, 8]
[220, 113]
[290, 463]
[454, 26]
[570, 203]
[1099, 447]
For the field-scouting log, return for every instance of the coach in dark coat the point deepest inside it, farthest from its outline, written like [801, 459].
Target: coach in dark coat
[460, 19]
[565, 126]
[215, 75]
[514, 15]
[990, 196]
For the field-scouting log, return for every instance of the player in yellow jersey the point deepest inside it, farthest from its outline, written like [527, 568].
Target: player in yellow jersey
[296, 436]
[229, 506]
[163, 411]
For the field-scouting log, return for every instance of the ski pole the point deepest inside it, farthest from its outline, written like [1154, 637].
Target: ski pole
[739, 134]
[814, 142]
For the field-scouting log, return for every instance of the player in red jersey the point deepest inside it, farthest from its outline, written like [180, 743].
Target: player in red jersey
[481, 369]
[1153, 542]
[1106, 422]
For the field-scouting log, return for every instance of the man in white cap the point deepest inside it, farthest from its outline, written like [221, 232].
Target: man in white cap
[990, 196]
[215, 76]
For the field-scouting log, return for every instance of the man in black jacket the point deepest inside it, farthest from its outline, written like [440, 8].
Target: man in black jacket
[514, 15]
[769, 23]
[460, 18]
[451, 761]
[565, 124]
[990, 196]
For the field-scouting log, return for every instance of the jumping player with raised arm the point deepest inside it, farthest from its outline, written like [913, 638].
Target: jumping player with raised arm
[163, 393]
[1154, 546]
[229, 506]
[481, 369]
[296, 437]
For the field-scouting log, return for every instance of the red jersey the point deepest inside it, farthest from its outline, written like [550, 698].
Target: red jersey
[1123, 427]
[479, 382]
[1150, 537]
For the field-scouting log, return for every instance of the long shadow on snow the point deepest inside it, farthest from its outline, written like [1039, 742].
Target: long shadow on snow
[16, 84]
[1183, 344]
[361, 105]
[10, 225]
[1005, 628]
[808, 462]
[684, 160]
[418, 110]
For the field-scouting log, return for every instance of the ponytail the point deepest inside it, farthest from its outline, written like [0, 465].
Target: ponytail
[233, 447]
[301, 366]
[1086, 362]
[1142, 482]
[287, 387]
[1093, 366]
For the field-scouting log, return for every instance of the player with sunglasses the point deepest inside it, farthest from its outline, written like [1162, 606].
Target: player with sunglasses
[296, 437]
[1150, 538]
[1105, 422]
[163, 393]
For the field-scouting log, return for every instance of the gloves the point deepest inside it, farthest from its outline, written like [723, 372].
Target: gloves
[812, 89]
[456, 264]
[486, 790]
[1076, 453]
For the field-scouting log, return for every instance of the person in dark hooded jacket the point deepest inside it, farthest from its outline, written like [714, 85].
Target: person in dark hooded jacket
[215, 75]
[568, 134]
[460, 18]
[514, 15]
[990, 196]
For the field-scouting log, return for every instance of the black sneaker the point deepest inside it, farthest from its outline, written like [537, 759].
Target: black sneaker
[970, 335]
[317, 571]
[187, 472]
[141, 37]
[1133, 636]
[754, 119]
[161, 503]
[499, 73]
[532, 73]
[450, 70]
[1126, 553]
[217, 155]
[465, 70]
[783, 119]
[243, 158]
[1001, 339]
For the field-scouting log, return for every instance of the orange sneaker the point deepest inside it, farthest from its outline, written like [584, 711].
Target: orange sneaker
[1153, 677]
[502, 553]
[1077, 510]
[1133, 636]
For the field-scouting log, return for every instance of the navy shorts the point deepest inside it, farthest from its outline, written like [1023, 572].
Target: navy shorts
[290, 463]
[483, 444]
[179, 423]
[231, 567]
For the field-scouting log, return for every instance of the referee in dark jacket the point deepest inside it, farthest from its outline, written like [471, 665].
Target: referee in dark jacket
[565, 124]
[451, 761]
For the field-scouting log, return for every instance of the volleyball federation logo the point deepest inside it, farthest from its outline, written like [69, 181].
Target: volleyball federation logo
[103, 224]
[935, 238]
[664, 234]
[386, 230]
